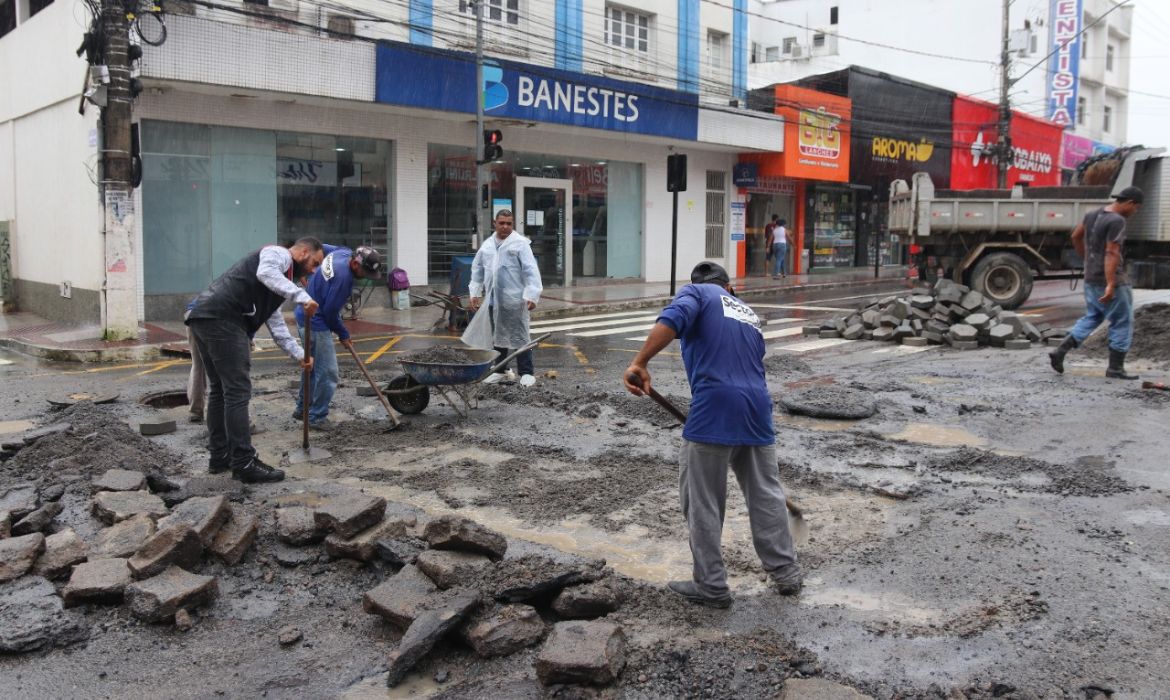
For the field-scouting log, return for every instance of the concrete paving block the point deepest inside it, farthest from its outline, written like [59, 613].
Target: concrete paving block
[157, 599]
[949, 295]
[932, 337]
[888, 320]
[63, 550]
[122, 540]
[1018, 344]
[363, 546]
[920, 314]
[115, 506]
[17, 555]
[853, 332]
[961, 332]
[400, 598]
[236, 536]
[101, 581]
[971, 301]
[1053, 342]
[828, 334]
[915, 342]
[867, 335]
[998, 335]
[120, 480]
[883, 334]
[965, 345]
[810, 330]
[348, 514]
[871, 318]
[177, 545]
[204, 514]
[922, 301]
[161, 427]
[1011, 318]
[1030, 332]
[591, 653]
[839, 325]
[980, 320]
[900, 309]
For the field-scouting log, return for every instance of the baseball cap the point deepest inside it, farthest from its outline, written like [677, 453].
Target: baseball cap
[370, 259]
[1130, 194]
[709, 272]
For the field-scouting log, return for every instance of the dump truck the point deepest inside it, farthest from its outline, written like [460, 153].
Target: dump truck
[1000, 241]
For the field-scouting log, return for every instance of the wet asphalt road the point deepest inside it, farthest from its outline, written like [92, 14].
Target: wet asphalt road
[994, 527]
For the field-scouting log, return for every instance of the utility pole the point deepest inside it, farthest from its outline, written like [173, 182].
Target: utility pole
[482, 203]
[120, 293]
[1003, 147]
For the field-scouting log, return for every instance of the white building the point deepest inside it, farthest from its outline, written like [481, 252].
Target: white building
[263, 122]
[955, 44]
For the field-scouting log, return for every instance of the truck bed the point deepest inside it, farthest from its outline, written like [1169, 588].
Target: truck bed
[1101, 192]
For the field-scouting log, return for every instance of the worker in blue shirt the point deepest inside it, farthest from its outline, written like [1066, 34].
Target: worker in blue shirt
[331, 287]
[729, 426]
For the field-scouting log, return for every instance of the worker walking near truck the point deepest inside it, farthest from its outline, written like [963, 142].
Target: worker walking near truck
[1100, 241]
[729, 426]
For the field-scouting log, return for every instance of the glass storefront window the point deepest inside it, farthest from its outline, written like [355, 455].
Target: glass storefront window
[605, 211]
[211, 195]
[833, 229]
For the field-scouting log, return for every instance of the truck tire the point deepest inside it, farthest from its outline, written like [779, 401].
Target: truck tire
[1004, 278]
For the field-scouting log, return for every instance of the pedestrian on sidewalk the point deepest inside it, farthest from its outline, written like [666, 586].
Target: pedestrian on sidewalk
[225, 317]
[505, 276]
[330, 286]
[729, 426]
[1100, 240]
[779, 249]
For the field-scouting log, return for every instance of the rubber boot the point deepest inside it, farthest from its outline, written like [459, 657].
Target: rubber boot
[1117, 366]
[1056, 357]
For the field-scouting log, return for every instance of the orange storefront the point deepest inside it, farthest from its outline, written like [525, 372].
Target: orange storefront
[816, 151]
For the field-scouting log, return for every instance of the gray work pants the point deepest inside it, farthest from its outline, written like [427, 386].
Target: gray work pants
[702, 485]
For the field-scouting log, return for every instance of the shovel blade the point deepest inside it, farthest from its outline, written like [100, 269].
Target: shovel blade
[313, 454]
[798, 526]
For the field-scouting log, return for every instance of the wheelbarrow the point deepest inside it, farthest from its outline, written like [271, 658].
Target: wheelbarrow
[410, 392]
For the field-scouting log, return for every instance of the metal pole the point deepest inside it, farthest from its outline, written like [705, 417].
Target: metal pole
[673, 241]
[481, 171]
[1003, 145]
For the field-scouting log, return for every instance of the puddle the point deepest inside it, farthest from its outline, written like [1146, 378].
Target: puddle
[413, 686]
[15, 426]
[938, 436]
[806, 423]
[887, 604]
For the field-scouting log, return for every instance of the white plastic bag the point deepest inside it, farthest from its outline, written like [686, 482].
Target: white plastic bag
[479, 329]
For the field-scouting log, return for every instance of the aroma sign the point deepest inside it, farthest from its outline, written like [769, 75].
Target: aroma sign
[897, 149]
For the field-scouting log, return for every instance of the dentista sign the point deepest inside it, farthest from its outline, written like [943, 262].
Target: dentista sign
[1064, 66]
[531, 93]
[576, 99]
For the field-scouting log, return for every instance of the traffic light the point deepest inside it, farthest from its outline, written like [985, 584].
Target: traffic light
[492, 150]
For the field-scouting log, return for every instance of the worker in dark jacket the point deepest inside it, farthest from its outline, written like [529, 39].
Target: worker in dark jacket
[331, 287]
[729, 426]
[224, 318]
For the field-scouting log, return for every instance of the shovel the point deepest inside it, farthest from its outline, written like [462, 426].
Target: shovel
[1156, 385]
[306, 453]
[373, 385]
[796, 521]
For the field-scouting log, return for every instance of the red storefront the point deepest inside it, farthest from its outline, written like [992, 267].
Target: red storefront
[1035, 143]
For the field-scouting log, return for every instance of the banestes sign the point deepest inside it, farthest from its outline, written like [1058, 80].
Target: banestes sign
[1035, 148]
[532, 93]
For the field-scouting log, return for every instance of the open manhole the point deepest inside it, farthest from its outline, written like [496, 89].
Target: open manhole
[165, 399]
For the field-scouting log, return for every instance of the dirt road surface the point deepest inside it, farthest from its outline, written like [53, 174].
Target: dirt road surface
[993, 530]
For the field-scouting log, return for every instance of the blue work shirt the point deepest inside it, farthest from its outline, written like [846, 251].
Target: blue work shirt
[723, 352]
[330, 286]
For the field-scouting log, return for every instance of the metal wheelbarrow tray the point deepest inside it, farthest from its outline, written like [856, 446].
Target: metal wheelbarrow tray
[410, 393]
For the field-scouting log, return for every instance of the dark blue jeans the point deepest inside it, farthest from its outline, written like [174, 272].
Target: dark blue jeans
[324, 377]
[226, 352]
[1118, 312]
[523, 361]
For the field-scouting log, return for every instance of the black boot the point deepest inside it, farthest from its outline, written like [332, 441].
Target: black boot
[257, 472]
[1117, 366]
[1056, 357]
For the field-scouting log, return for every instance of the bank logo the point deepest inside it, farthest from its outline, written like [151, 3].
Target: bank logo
[495, 93]
[819, 134]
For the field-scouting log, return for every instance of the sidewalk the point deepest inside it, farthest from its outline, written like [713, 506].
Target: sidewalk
[82, 342]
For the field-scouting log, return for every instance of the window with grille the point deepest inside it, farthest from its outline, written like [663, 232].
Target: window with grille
[1082, 107]
[716, 50]
[716, 212]
[1109, 57]
[503, 11]
[626, 29]
[818, 40]
[1108, 125]
[788, 43]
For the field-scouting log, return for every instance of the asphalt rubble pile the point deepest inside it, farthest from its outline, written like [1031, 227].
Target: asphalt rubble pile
[1151, 335]
[947, 313]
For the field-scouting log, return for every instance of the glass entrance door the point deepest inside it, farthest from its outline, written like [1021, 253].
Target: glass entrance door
[544, 209]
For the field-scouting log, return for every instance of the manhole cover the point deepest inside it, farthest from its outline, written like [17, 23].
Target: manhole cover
[830, 402]
[79, 396]
[165, 399]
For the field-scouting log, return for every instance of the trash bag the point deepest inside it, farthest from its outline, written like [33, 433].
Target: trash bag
[479, 329]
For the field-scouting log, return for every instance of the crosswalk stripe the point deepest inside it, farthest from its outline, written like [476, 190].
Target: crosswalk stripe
[612, 331]
[767, 334]
[813, 345]
[799, 307]
[591, 317]
[591, 324]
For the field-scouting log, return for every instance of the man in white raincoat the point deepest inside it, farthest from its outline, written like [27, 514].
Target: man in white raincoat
[505, 278]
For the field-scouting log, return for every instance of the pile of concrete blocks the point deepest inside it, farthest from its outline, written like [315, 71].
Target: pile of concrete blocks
[146, 556]
[947, 313]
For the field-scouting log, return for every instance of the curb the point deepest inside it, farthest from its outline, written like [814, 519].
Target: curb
[130, 353]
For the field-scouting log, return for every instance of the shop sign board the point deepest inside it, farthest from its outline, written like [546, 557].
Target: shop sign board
[899, 128]
[816, 134]
[745, 175]
[1035, 148]
[738, 220]
[531, 93]
[1075, 150]
[1064, 63]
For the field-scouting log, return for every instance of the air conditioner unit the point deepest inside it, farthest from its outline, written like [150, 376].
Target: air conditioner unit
[797, 51]
[341, 25]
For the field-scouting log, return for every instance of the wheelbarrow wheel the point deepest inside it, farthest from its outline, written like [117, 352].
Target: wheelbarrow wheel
[413, 398]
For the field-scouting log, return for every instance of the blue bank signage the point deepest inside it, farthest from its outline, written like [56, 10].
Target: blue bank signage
[414, 76]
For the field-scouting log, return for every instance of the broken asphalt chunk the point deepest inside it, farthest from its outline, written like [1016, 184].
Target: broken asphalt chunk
[591, 653]
[157, 599]
[455, 532]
